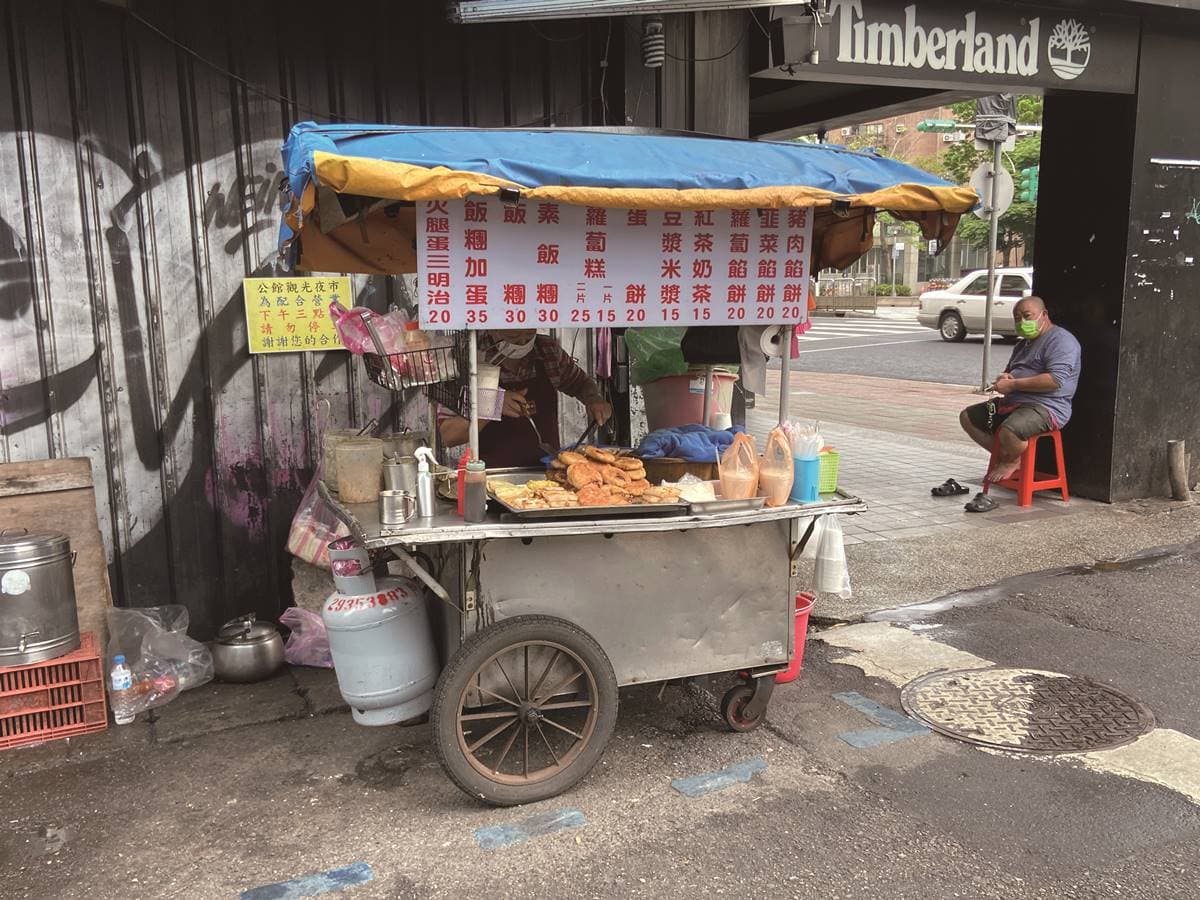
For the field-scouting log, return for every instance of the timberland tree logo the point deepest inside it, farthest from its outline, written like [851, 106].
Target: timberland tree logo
[1069, 49]
[916, 43]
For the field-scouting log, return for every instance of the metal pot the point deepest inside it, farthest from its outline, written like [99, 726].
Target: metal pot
[247, 650]
[38, 617]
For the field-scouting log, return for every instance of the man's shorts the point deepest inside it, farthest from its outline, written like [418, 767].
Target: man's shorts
[1025, 421]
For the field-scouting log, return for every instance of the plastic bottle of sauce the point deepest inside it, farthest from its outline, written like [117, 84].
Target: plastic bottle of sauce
[475, 493]
[461, 481]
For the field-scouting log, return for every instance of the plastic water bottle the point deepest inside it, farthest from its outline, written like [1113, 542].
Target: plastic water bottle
[120, 691]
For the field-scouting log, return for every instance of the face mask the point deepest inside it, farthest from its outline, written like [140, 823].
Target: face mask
[509, 350]
[1028, 328]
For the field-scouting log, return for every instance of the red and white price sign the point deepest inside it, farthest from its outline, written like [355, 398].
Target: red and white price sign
[484, 264]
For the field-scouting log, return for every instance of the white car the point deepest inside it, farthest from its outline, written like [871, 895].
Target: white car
[959, 310]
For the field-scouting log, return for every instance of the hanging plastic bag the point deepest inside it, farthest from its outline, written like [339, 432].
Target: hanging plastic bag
[314, 526]
[351, 328]
[776, 469]
[161, 657]
[738, 468]
[814, 539]
[831, 575]
[308, 643]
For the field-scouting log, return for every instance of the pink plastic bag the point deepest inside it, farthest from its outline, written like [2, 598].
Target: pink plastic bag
[308, 644]
[351, 328]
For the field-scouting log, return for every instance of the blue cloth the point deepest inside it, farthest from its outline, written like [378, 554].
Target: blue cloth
[560, 156]
[695, 443]
[1056, 352]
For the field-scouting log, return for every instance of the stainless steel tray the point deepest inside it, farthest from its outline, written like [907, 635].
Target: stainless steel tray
[520, 476]
[704, 507]
[594, 512]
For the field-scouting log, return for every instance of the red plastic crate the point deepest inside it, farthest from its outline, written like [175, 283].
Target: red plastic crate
[58, 698]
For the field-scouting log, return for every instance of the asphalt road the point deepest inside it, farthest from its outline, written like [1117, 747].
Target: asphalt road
[893, 345]
[834, 802]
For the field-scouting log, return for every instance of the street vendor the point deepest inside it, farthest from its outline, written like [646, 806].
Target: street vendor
[534, 368]
[1036, 390]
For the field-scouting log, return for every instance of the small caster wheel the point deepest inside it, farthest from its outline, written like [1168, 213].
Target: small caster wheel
[732, 705]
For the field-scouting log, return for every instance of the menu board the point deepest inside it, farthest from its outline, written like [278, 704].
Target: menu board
[285, 315]
[488, 264]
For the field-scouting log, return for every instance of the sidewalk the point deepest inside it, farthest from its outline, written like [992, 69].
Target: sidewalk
[897, 440]
[911, 547]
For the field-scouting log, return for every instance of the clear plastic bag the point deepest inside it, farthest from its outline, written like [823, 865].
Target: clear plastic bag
[314, 527]
[308, 644]
[738, 469]
[161, 657]
[831, 574]
[776, 469]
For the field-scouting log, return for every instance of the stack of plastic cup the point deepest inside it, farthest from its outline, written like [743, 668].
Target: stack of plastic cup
[808, 476]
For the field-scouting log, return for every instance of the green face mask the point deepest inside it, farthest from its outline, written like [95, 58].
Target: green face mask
[1028, 328]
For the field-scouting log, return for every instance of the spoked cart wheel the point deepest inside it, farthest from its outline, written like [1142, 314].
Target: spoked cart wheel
[523, 710]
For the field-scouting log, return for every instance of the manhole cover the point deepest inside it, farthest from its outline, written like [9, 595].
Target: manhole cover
[1026, 710]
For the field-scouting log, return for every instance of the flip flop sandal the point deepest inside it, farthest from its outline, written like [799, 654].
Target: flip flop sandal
[981, 503]
[949, 488]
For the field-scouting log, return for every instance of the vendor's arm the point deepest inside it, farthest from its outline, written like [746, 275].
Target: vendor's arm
[456, 430]
[574, 382]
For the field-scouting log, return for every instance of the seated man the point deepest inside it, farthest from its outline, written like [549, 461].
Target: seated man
[1037, 387]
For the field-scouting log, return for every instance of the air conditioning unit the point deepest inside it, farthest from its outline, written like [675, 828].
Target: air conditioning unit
[949, 137]
[901, 128]
[846, 132]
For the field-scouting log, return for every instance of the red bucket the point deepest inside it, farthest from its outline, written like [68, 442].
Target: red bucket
[804, 605]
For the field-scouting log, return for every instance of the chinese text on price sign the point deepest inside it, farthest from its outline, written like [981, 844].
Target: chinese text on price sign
[484, 264]
[285, 315]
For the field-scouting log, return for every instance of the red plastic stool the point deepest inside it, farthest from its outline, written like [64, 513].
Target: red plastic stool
[1026, 480]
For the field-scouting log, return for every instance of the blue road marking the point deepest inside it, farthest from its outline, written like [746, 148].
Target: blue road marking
[738, 773]
[312, 885]
[895, 726]
[493, 837]
[867, 738]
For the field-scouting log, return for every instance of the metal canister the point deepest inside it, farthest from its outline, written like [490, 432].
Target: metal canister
[400, 474]
[383, 651]
[38, 617]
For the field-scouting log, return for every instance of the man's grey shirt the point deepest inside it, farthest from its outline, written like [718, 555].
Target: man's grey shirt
[1056, 352]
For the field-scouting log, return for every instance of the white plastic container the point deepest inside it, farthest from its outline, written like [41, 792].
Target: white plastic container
[382, 649]
[120, 681]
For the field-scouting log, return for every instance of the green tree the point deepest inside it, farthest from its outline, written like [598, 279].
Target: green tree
[1017, 225]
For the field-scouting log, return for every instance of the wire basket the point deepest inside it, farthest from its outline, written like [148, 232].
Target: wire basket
[828, 479]
[413, 368]
[442, 371]
[428, 368]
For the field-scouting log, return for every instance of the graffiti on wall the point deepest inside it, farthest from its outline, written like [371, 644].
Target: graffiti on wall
[121, 315]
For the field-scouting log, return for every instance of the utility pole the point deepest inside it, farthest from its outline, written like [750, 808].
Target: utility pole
[995, 123]
[993, 234]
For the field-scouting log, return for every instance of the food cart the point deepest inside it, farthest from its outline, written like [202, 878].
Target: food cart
[544, 616]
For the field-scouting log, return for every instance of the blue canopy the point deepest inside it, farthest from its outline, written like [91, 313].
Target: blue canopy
[597, 167]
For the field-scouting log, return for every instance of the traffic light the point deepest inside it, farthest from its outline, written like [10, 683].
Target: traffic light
[1027, 184]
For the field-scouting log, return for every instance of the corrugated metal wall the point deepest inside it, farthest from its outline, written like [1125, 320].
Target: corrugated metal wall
[138, 163]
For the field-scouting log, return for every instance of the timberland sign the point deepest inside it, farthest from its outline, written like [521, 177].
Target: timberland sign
[961, 45]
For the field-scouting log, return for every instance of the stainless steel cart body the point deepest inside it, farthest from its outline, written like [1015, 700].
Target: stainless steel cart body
[666, 597]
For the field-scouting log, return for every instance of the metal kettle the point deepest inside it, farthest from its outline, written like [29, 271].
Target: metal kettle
[247, 650]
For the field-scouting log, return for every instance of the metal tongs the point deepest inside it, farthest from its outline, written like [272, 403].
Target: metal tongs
[546, 448]
[588, 432]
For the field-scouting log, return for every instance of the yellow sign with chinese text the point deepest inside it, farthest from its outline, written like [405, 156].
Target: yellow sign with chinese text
[286, 315]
